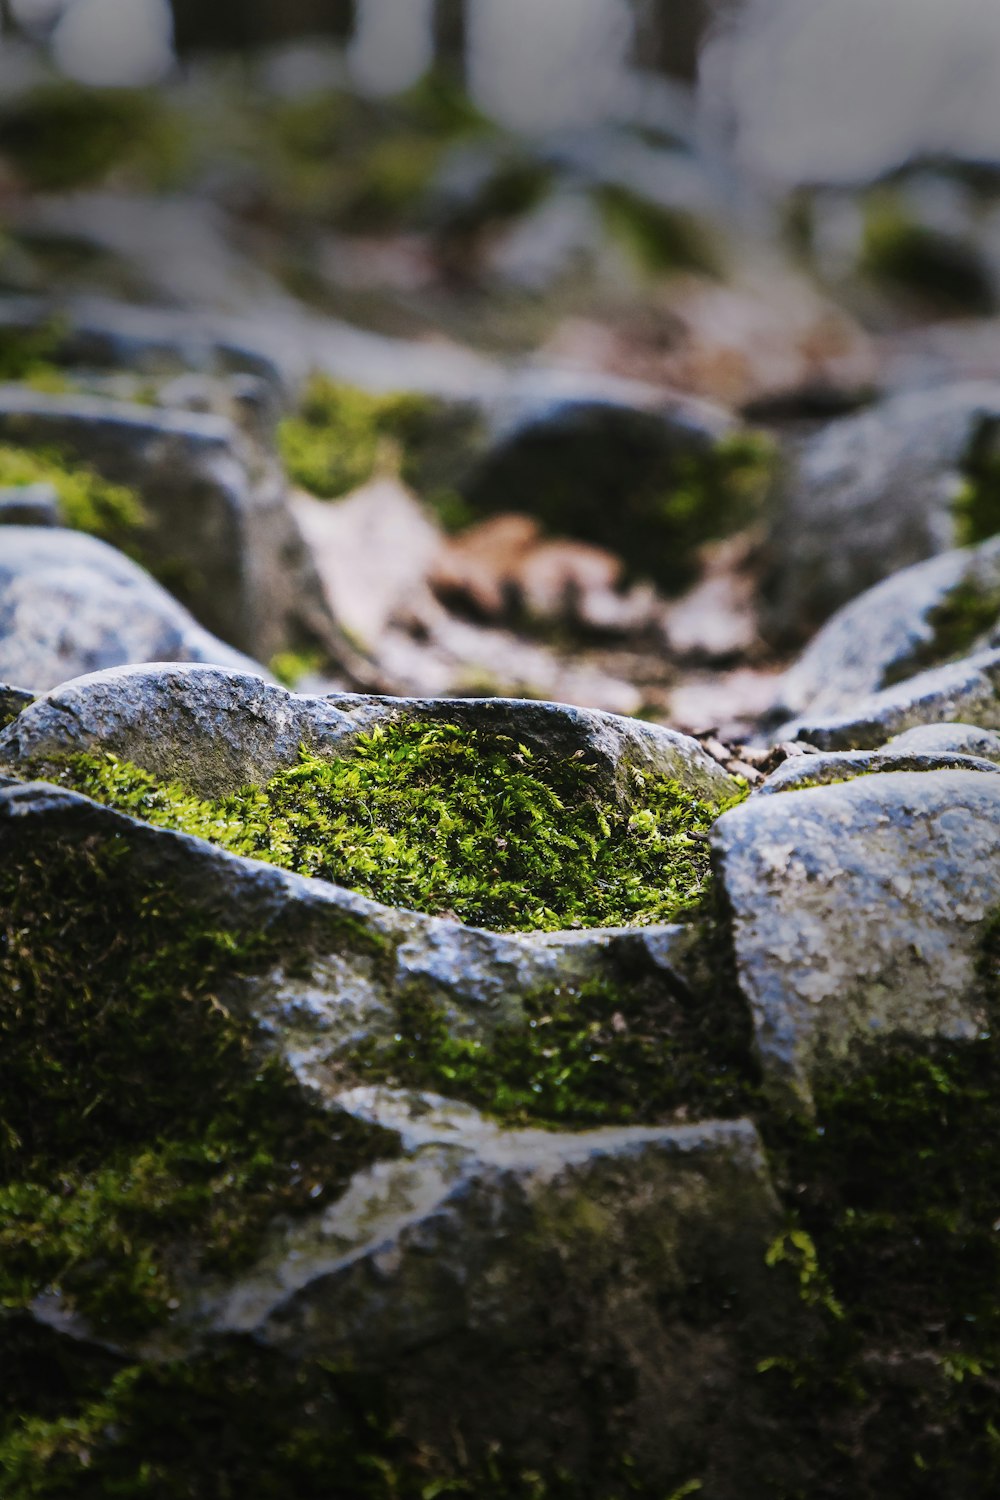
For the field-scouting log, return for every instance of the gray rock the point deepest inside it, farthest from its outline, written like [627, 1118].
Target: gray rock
[220, 529]
[30, 505]
[13, 700]
[913, 620]
[217, 729]
[966, 691]
[936, 739]
[70, 604]
[871, 494]
[858, 911]
[476, 1266]
[800, 771]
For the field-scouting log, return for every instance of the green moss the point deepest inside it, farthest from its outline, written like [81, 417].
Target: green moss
[895, 1187]
[88, 502]
[610, 477]
[61, 136]
[661, 239]
[27, 355]
[439, 819]
[977, 506]
[341, 434]
[289, 667]
[937, 268]
[601, 1053]
[144, 1130]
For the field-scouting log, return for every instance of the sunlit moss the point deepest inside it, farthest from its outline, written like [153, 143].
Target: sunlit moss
[87, 502]
[439, 819]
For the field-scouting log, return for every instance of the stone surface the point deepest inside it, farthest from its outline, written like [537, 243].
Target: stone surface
[70, 604]
[896, 628]
[857, 914]
[842, 765]
[966, 691]
[478, 1269]
[217, 730]
[220, 530]
[868, 495]
[13, 700]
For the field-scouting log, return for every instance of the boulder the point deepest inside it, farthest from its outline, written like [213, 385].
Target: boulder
[916, 619]
[220, 532]
[871, 494]
[30, 505]
[217, 729]
[966, 691]
[858, 913]
[70, 604]
[569, 1294]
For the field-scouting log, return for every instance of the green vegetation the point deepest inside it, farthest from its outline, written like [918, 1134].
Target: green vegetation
[144, 1130]
[341, 436]
[614, 478]
[660, 239]
[957, 623]
[439, 819]
[26, 356]
[977, 507]
[88, 502]
[895, 1187]
[937, 268]
[596, 1054]
[61, 136]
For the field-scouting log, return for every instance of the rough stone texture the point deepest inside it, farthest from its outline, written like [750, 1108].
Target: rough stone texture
[842, 765]
[966, 691]
[554, 1291]
[217, 730]
[70, 604]
[857, 910]
[868, 495]
[890, 631]
[935, 739]
[220, 533]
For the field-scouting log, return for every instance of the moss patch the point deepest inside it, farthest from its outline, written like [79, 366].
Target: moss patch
[61, 136]
[144, 1131]
[660, 239]
[614, 478]
[341, 435]
[938, 269]
[977, 506]
[601, 1053]
[895, 1188]
[444, 820]
[89, 503]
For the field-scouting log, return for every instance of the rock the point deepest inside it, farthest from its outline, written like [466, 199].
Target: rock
[935, 739]
[30, 505]
[468, 1267]
[218, 729]
[820, 769]
[220, 529]
[871, 494]
[966, 691]
[917, 618]
[70, 604]
[12, 701]
[858, 912]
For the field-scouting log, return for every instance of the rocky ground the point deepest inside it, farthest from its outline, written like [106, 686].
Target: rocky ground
[500, 809]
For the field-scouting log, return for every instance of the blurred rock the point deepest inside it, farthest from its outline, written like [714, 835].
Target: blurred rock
[30, 505]
[70, 604]
[871, 494]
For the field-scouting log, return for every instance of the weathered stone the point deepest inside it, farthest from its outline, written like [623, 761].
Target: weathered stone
[800, 771]
[869, 495]
[857, 913]
[966, 691]
[935, 739]
[477, 1268]
[220, 529]
[217, 730]
[913, 620]
[70, 604]
[13, 700]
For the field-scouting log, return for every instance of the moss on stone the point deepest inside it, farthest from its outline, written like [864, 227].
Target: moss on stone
[61, 136]
[444, 820]
[145, 1131]
[976, 508]
[894, 1188]
[937, 268]
[660, 239]
[88, 503]
[632, 1052]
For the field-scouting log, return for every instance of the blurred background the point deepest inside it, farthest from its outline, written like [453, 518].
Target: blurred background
[473, 346]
